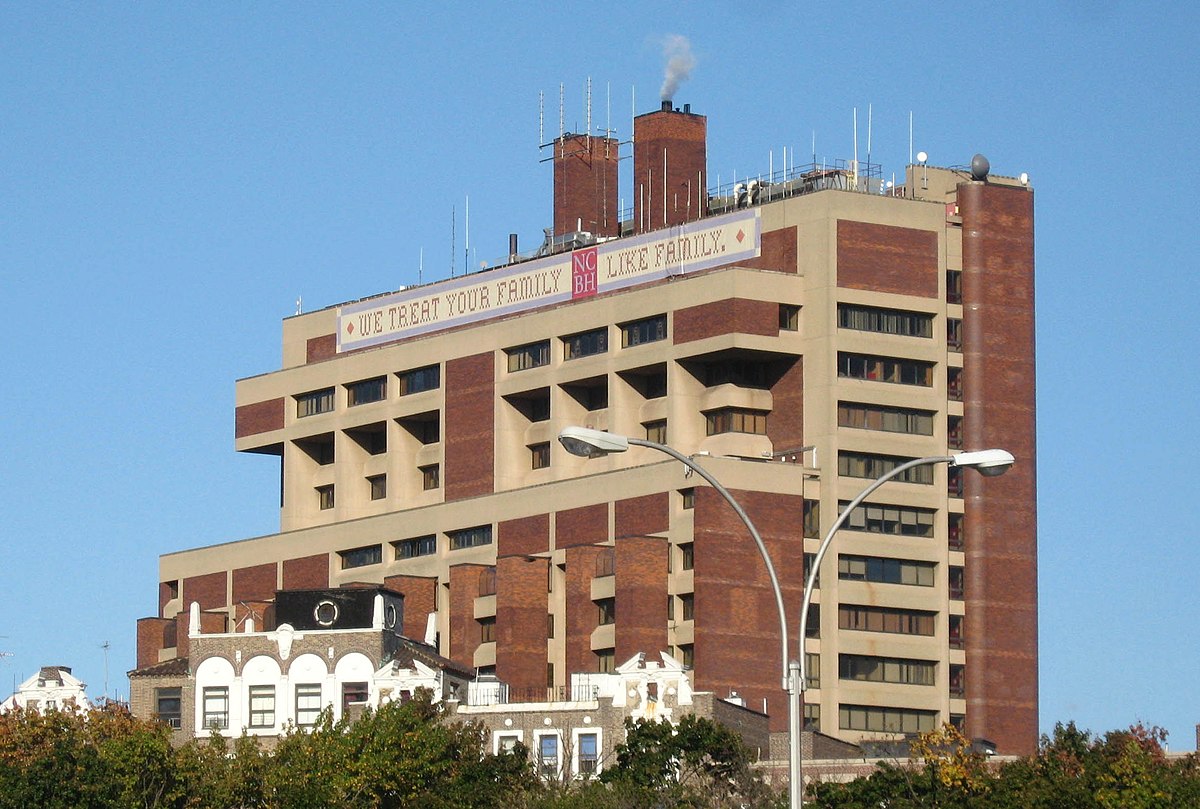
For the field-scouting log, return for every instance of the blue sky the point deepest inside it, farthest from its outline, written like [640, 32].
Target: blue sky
[174, 176]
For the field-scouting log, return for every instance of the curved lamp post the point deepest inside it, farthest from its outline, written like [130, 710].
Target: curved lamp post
[989, 462]
[590, 443]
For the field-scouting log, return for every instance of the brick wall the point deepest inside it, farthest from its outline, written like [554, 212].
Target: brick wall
[257, 583]
[675, 141]
[469, 434]
[778, 251]
[642, 516]
[259, 417]
[306, 572]
[885, 258]
[581, 526]
[209, 590]
[1001, 512]
[526, 535]
[691, 323]
[151, 639]
[581, 616]
[585, 185]
[641, 596]
[321, 348]
[785, 426]
[420, 599]
[521, 624]
[464, 630]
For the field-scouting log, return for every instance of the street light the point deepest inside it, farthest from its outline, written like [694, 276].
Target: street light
[989, 462]
[590, 443]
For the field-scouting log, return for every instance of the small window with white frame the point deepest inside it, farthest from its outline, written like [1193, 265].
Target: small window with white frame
[588, 747]
[549, 747]
[505, 741]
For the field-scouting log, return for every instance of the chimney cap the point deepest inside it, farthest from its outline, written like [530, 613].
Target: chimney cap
[666, 105]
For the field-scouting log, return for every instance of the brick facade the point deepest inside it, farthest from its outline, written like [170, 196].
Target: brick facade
[306, 573]
[885, 258]
[469, 435]
[692, 323]
[641, 596]
[521, 623]
[257, 583]
[260, 417]
[321, 348]
[585, 185]
[420, 600]
[674, 142]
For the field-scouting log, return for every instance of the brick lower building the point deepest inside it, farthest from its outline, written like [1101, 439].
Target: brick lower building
[798, 338]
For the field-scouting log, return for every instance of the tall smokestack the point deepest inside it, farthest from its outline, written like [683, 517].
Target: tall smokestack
[669, 168]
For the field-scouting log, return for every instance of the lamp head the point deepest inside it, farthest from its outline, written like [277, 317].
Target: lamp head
[989, 462]
[589, 443]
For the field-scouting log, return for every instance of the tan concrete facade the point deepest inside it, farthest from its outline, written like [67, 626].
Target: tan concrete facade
[753, 372]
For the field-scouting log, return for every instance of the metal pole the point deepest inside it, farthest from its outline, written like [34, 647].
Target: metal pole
[802, 675]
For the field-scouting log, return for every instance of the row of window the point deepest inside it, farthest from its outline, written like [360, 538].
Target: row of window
[551, 757]
[884, 570]
[871, 467]
[908, 420]
[876, 518]
[416, 547]
[261, 704]
[587, 343]
[366, 391]
[895, 370]
[431, 478]
[869, 668]
[884, 321]
[881, 719]
[886, 619]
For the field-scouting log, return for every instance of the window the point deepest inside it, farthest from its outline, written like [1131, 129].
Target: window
[957, 638]
[354, 694]
[589, 752]
[954, 432]
[470, 537]
[378, 484]
[533, 355]
[418, 546]
[550, 625]
[606, 611]
[606, 661]
[812, 518]
[812, 627]
[688, 553]
[216, 707]
[953, 286]
[812, 670]
[886, 571]
[361, 557]
[689, 498]
[809, 560]
[656, 431]
[958, 681]
[876, 518]
[885, 369]
[314, 402]
[688, 600]
[548, 756]
[262, 706]
[325, 497]
[957, 582]
[507, 742]
[954, 481]
[789, 317]
[884, 321]
[168, 705]
[954, 384]
[736, 420]
[308, 704]
[366, 391]
[585, 344]
[549, 675]
[420, 379]
[649, 330]
[539, 455]
[687, 655]
[954, 336]
[487, 629]
[431, 477]
[870, 466]
[880, 719]
[812, 716]
[425, 427]
[887, 419]
[886, 619]
[742, 373]
[955, 536]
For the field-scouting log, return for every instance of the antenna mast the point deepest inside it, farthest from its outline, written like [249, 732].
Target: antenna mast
[105, 646]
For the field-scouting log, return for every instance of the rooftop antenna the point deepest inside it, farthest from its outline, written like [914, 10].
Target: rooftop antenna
[589, 112]
[856, 148]
[299, 304]
[541, 119]
[453, 218]
[910, 137]
[105, 646]
[421, 265]
[632, 109]
[467, 237]
[868, 134]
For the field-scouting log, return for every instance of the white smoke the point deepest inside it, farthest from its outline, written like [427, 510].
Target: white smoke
[680, 61]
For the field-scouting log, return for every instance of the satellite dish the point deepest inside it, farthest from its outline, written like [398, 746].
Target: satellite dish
[922, 157]
[980, 167]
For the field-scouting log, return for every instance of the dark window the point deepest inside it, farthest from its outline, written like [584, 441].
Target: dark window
[585, 344]
[418, 546]
[688, 552]
[812, 716]
[958, 681]
[812, 627]
[533, 355]
[487, 629]
[954, 338]
[789, 317]
[894, 370]
[318, 447]
[589, 753]
[688, 600]
[549, 625]
[649, 330]
[955, 536]
[431, 477]
[881, 719]
[954, 384]
[539, 455]
[742, 373]
[353, 694]
[420, 379]
[953, 286]
[314, 402]
[871, 467]
[656, 431]
[378, 485]
[325, 497]
[907, 521]
[957, 637]
[168, 706]
[812, 670]
[689, 498]
[361, 557]
[687, 655]
[366, 391]
[885, 321]
[812, 518]
[606, 660]
[470, 537]
[954, 432]
[886, 419]
[736, 420]
[886, 570]
[886, 619]
[606, 611]
[957, 582]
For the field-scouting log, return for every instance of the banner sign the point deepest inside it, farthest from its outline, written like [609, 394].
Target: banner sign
[554, 279]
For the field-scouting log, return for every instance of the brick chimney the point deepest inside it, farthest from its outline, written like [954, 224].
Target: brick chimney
[669, 167]
[585, 184]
